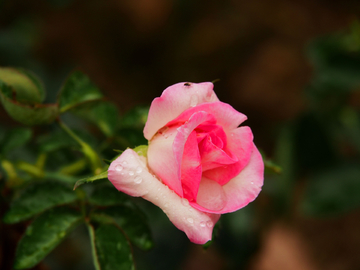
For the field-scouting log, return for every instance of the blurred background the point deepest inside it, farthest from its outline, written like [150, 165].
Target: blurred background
[292, 66]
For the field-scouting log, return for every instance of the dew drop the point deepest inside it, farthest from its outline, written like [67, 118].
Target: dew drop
[202, 224]
[156, 198]
[252, 182]
[185, 202]
[119, 168]
[131, 173]
[166, 204]
[138, 180]
[194, 100]
[124, 163]
[146, 192]
[190, 220]
[209, 224]
[138, 170]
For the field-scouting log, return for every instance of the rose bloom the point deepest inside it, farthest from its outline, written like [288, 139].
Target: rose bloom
[200, 163]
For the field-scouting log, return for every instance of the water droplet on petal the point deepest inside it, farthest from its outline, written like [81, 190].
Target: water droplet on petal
[138, 170]
[190, 220]
[124, 163]
[209, 224]
[202, 224]
[138, 180]
[185, 202]
[156, 198]
[194, 100]
[131, 173]
[119, 168]
[146, 192]
[166, 204]
[252, 182]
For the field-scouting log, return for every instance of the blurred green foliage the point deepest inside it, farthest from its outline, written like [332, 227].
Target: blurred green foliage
[41, 187]
[40, 165]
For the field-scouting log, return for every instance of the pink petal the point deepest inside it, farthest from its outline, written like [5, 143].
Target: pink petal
[191, 181]
[211, 195]
[173, 101]
[163, 161]
[212, 156]
[226, 116]
[191, 168]
[239, 143]
[197, 225]
[243, 188]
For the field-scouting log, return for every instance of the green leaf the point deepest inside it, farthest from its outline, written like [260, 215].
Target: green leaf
[77, 90]
[28, 89]
[106, 195]
[44, 234]
[37, 198]
[332, 192]
[112, 249]
[36, 114]
[103, 114]
[135, 118]
[15, 138]
[131, 221]
[100, 176]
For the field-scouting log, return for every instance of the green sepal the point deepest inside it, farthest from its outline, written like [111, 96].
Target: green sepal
[44, 234]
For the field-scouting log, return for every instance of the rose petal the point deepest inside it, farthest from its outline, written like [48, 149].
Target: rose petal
[191, 181]
[162, 160]
[191, 168]
[173, 101]
[240, 143]
[243, 188]
[213, 156]
[226, 116]
[197, 225]
[211, 195]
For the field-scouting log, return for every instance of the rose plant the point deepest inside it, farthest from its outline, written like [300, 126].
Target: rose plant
[199, 163]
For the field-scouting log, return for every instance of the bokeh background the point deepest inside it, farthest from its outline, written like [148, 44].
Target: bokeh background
[292, 66]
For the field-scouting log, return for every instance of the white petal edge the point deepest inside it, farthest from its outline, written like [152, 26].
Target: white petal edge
[125, 173]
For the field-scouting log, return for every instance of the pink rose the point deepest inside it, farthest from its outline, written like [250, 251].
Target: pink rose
[200, 163]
